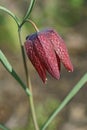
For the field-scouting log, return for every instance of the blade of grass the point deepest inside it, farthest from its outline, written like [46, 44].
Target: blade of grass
[9, 68]
[72, 93]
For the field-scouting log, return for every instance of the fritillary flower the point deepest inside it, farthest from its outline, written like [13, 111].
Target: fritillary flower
[46, 50]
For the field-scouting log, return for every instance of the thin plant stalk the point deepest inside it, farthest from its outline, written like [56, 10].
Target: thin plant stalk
[25, 63]
[28, 82]
[11, 14]
[66, 100]
[34, 25]
[23, 54]
[32, 106]
[28, 12]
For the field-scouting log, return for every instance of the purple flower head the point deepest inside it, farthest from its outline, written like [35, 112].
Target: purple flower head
[46, 50]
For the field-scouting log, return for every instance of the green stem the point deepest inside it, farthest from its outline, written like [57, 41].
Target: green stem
[33, 24]
[11, 14]
[25, 63]
[29, 10]
[32, 107]
[23, 54]
[28, 82]
[73, 92]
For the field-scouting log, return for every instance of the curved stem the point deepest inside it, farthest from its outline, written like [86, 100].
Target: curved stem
[34, 25]
[11, 14]
[29, 9]
[28, 12]
[72, 93]
[28, 82]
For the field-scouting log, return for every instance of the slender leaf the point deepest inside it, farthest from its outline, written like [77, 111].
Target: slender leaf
[5, 62]
[9, 68]
[72, 93]
[10, 13]
[28, 11]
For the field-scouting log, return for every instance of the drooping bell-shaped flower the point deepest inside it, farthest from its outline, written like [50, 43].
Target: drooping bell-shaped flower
[46, 49]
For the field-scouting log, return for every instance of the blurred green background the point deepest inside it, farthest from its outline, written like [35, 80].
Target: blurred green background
[69, 18]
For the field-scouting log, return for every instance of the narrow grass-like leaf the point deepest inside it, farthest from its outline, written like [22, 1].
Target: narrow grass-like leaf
[2, 127]
[67, 99]
[11, 14]
[28, 11]
[5, 62]
[9, 68]
[14, 74]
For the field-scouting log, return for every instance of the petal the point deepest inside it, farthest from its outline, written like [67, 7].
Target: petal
[60, 49]
[35, 60]
[47, 55]
[58, 61]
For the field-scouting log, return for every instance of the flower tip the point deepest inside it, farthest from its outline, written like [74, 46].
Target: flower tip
[57, 76]
[71, 69]
[45, 81]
